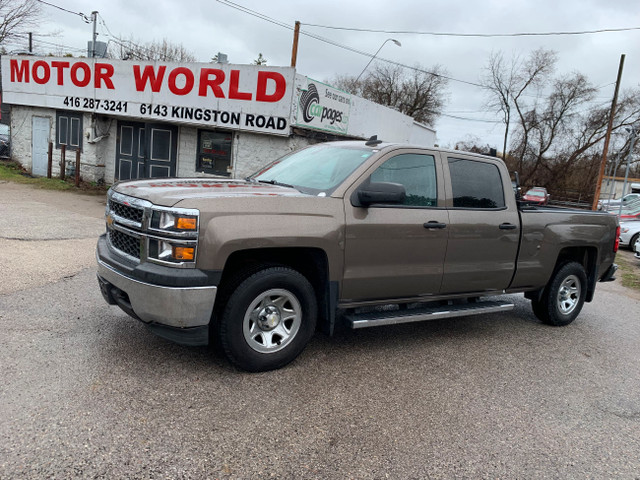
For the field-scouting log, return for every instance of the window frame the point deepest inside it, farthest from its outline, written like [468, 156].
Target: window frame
[70, 117]
[210, 171]
[365, 177]
[450, 194]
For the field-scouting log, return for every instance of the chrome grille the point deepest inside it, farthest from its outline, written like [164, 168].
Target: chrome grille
[127, 244]
[125, 211]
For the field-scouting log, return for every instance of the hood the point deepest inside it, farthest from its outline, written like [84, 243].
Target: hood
[169, 191]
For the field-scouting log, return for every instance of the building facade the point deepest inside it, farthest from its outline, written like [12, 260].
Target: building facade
[156, 119]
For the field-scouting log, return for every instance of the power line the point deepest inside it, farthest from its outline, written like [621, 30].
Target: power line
[80, 14]
[484, 35]
[339, 45]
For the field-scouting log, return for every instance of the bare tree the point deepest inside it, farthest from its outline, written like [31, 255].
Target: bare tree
[419, 94]
[508, 81]
[162, 50]
[16, 16]
[558, 141]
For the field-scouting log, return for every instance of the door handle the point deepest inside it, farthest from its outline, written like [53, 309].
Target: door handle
[508, 226]
[434, 224]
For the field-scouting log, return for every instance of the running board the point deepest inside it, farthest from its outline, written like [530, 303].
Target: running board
[373, 319]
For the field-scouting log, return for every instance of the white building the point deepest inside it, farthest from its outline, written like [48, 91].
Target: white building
[134, 119]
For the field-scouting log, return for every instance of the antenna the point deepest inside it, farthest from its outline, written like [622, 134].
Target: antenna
[373, 141]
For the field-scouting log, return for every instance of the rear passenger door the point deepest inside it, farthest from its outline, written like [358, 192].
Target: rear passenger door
[484, 227]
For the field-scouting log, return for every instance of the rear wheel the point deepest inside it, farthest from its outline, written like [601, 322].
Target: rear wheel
[563, 297]
[633, 240]
[268, 319]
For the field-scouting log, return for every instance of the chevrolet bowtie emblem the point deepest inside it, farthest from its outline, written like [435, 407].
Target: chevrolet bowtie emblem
[109, 220]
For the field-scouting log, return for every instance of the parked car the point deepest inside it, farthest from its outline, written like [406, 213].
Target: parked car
[629, 233]
[633, 204]
[537, 195]
[4, 140]
[625, 201]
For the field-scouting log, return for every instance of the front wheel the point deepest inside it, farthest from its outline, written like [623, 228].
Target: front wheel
[268, 319]
[563, 297]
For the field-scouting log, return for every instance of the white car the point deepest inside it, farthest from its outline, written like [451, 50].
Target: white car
[629, 233]
[625, 201]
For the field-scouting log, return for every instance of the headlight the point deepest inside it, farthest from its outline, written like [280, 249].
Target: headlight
[174, 236]
[172, 252]
[625, 229]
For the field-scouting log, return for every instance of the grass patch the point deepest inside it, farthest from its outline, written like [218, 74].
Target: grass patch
[628, 272]
[11, 171]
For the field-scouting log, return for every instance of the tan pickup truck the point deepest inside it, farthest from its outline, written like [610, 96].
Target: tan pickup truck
[361, 233]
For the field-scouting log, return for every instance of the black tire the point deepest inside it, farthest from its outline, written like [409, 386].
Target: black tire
[268, 319]
[633, 240]
[563, 297]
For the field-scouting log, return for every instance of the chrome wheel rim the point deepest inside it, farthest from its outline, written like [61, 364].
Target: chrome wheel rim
[272, 321]
[568, 295]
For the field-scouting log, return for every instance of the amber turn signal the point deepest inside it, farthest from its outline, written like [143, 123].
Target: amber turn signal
[183, 253]
[186, 223]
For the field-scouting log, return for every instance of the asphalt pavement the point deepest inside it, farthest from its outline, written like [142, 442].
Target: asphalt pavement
[88, 392]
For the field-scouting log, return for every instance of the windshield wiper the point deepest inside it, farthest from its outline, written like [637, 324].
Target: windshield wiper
[275, 182]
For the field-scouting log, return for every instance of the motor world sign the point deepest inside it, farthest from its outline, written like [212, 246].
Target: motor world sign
[243, 97]
[322, 107]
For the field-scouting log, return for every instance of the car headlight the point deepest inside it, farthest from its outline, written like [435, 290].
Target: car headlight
[624, 229]
[174, 235]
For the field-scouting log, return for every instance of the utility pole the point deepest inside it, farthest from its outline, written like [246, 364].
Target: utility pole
[94, 17]
[294, 49]
[612, 113]
[30, 42]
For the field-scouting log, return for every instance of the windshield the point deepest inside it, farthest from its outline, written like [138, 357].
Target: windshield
[317, 170]
[535, 193]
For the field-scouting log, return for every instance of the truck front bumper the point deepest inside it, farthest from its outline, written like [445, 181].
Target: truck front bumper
[177, 313]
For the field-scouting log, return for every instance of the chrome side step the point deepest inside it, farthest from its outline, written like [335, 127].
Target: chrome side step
[375, 318]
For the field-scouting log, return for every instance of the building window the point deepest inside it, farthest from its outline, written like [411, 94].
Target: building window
[475, 184]
[69, 130]
[214, 152]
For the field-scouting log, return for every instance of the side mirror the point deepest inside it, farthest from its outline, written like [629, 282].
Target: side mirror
[378, 192]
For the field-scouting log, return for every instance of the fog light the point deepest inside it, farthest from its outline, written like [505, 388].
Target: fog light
[183, 253]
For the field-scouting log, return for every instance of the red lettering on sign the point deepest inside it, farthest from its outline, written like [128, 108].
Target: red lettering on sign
[188, 81]
[20, 73]
[234, 93]
[60, 66]
[214, 83]
[74, 74]
[46, 72]
[280, 87]
[148, 76]
[104, 72]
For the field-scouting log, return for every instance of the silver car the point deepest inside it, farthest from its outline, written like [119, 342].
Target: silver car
[629, 233]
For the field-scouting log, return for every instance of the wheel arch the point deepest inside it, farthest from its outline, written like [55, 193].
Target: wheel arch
[311, 262]
[587, 256]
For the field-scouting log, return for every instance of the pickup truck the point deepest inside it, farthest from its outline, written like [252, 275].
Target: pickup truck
[342, 233]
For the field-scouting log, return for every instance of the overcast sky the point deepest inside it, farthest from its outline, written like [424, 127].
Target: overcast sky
[206, 27]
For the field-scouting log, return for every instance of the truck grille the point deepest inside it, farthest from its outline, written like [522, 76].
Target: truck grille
[127, 212]
[125, 243]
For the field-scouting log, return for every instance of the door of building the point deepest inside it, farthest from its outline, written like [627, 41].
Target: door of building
[40, 145]
[146, 150]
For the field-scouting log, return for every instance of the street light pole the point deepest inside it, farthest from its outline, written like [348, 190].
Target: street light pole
[376, 54]
[626, 175]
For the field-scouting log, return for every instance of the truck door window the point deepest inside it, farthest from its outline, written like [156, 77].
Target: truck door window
[417, 173]
[475, 184]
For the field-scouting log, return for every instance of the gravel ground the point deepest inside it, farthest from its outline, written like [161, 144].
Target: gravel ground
[88, 392]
